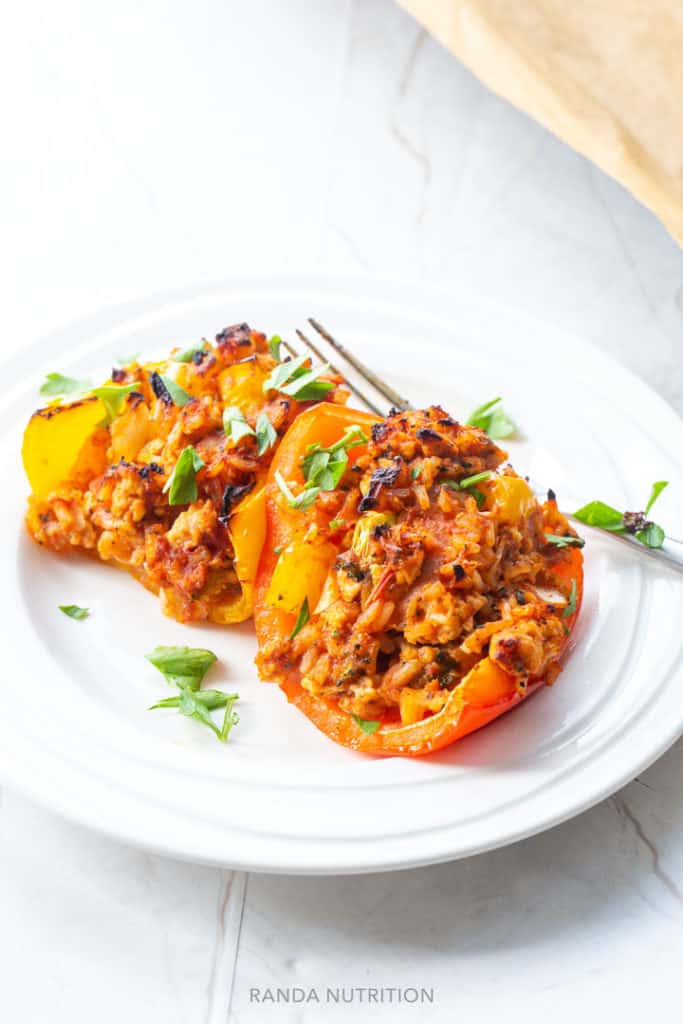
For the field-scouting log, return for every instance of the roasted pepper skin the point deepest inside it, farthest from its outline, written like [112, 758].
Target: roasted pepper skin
[484, 694]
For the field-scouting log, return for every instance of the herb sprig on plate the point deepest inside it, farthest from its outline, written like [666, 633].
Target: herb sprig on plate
[185, 667]
[636, 524]
[322, 468]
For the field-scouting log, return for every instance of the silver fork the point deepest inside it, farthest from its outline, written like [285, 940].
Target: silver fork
[670, 555]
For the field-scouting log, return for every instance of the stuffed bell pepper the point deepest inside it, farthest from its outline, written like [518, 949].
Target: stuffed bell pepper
[411, 588]
[160, 470]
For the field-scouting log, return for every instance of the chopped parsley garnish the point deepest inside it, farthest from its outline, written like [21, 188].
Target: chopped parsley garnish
[113, 396]
[274, 345]
[365, 725]
[56, 384]
[266, 434]
[301, 619]
[74, 611]
[302, 501]
[597, 513]
[187, 355]
[415, 472]
[235, 424]
[293, 379]
[570, 607]
[491, 418]
[565, 541]
[182, 483]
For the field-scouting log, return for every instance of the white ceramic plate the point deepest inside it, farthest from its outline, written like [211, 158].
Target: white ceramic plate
[74, 732]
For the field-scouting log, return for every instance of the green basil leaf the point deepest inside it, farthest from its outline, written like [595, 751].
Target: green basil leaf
[274, 345]
[183, 666]
[188, 354]
[415, 472]
[491, 418]
[570, 607]
[266, 434]
[597, 513]
[657, 489]
[179, 395]
[365, 725]
[500, 425]
[565, 541]
[477, 478]
[113, 396]
[74, 611]
[235, 424]
[182, 483]
[211, 699]
[283, 372]
[652, 536]
[302, 501]
[56, 384]
[476, 418]
[301, 619]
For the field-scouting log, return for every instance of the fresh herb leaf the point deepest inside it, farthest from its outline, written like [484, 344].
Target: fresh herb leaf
[597, 513]
[266, 434]
[491, 418]
[235, 424]
[302, 501]
[324, 467]
[191, 705]
[283, 372]
[336, 524]
[274, 345]
[301, 619]
[292, 379]
[179, 395]
[566, 541]
[365, 725]
[307, 387]
[570, 607]
[415, 472]
[468, 484]
[113, 396]
[182, 483]
[230, 717]
[74, 611]
[188, 354]
[657, 489]
[56, 384]
[652, 535]
[211, 699]
[477, 478]
[183, 666]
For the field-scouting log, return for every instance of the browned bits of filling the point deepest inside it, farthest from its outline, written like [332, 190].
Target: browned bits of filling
[431, 577]
[121, 513]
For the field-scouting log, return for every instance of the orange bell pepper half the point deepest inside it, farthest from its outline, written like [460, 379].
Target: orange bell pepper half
[486, 691]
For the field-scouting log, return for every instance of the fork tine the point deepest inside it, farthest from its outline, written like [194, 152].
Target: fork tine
[290, 348]
[357, 392]
[384, 389]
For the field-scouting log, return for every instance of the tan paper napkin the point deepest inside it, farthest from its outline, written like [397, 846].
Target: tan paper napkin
[606, 76]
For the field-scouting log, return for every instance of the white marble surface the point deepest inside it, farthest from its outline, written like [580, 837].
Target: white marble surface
[154, 145]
